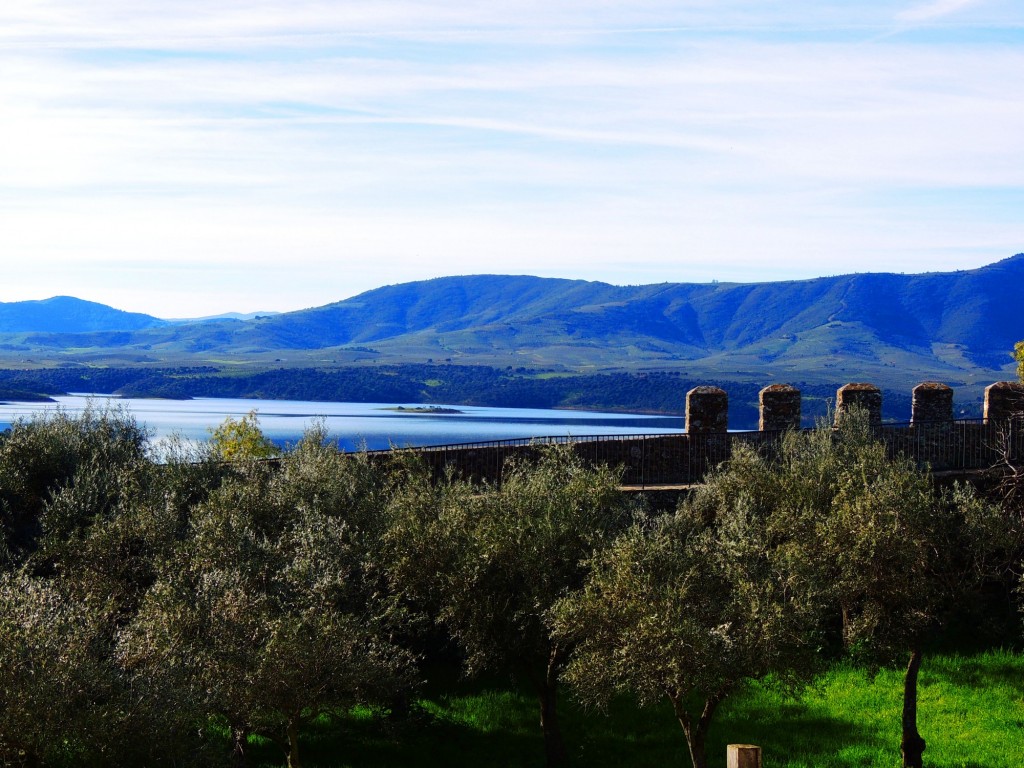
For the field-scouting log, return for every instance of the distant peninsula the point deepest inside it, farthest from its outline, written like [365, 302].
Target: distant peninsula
[19, 396]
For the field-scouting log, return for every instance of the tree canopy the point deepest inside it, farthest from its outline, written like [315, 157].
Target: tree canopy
[490, 563]
[690, 605]
[239, 439]
[143, 601]
[265, 609]
[748, 575]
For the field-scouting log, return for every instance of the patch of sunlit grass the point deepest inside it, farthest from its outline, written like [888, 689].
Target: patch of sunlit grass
[971, 713]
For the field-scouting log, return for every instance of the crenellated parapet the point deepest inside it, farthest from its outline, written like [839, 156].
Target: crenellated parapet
[932, 438]
[707, 411]
[780, 405]
[868, 397]
[932, 403]
[780, 408]
[1004, 400]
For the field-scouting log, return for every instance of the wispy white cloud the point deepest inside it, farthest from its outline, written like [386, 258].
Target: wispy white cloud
[935, 9]
[198, 25]
[371, 142]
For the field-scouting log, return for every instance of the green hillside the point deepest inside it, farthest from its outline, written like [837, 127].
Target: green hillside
[956, 325]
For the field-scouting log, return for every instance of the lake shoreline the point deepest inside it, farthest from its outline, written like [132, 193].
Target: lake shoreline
[355, 425]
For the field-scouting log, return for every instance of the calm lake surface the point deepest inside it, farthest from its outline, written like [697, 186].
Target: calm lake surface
[356, 425]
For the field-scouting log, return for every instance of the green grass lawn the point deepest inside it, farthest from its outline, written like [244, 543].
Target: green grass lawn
[971, 714]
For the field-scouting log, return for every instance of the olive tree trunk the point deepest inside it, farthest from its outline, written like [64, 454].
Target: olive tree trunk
[912, 745]
[696, 733]
[239, 741]
[547, 689]
[293, 745]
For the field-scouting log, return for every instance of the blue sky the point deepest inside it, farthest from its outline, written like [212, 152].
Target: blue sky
[201, 156]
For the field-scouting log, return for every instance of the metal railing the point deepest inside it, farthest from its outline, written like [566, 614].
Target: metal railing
[684, 459]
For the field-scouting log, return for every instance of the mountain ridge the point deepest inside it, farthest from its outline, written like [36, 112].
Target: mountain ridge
[934, 322]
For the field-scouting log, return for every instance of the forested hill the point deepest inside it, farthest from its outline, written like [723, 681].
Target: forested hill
[936, 323]
[66, 314]
[977, 309]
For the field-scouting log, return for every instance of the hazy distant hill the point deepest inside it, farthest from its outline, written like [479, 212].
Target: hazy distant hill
[223, 316]
[936, 323]
[66, 314]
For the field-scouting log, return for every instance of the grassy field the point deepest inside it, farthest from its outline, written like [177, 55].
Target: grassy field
[971, 714]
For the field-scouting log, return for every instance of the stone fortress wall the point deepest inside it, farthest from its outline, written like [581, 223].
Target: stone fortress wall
[932, 437]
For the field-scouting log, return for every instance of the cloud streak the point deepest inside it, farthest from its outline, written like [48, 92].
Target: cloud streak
[935, 10]
[369, 143]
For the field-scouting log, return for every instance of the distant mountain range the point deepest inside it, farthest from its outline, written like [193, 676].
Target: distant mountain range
[940, 324]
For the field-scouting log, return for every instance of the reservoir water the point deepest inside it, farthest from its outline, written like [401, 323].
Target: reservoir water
[355, 425]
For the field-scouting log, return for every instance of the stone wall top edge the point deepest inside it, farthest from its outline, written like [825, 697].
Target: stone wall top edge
[859, 386]
[1015, 385]
[706, 390]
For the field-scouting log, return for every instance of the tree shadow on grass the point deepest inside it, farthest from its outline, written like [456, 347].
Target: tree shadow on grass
[787, 733]
[474, 726]
[790, 735]
[426, 742]
[976, 671]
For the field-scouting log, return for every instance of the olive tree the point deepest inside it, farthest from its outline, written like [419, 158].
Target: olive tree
[83, 513]
[265, 613]
[877, 540]
[489, 563]
[50, 676]
[42, 456]
[690, 605]
[829, 530]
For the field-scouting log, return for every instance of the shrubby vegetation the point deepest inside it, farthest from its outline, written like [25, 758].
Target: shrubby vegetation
[240, 439]
[173, 613]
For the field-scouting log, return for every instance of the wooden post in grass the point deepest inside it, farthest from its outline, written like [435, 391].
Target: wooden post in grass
[743, 756]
